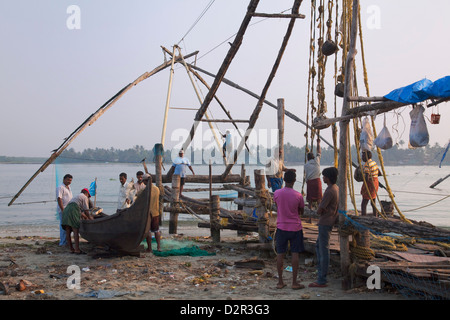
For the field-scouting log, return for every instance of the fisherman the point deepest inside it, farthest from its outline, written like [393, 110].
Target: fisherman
[125, 192]
[63, 196]
[76, 209]
[369, 192]
[290, 206]
[312, 177]
[154, 210]
[274, 171]
[228, 144]
[139, 184]
[179, 166]
[328, 213]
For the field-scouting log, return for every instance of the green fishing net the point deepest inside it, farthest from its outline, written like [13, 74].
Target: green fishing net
[171, 247]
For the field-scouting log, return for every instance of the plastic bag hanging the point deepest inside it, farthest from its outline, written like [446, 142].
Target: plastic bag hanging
[418, 133]
[366, 137]
[384, 139]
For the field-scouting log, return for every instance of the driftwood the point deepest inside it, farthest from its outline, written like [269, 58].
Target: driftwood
[251, 263]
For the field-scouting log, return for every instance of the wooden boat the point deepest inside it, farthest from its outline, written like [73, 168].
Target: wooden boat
[123, 231]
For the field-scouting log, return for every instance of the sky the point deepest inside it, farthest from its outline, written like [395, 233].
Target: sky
[61, 60]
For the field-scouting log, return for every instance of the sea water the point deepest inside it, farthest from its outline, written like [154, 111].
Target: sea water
[36, 205]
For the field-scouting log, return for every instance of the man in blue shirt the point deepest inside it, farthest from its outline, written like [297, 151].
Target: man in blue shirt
[179, 166]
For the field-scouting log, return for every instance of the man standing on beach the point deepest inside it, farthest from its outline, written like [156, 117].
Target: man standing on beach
[154, 209]
[76, 210]
[290, 206]
[369, 189]
[328, 214]
[125, 192]
[179, 166]
[63, 196]
[139, 185]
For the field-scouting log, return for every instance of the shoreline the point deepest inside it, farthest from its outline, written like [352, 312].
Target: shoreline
[34, 256]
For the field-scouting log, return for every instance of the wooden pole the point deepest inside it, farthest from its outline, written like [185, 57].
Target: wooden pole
[159, 184]
[169, 91]
[343, 147]
[261, 212]
[219, 145]
[280, 115]
[173, 223]
[242, 196]
[210, 179]
[214, 218]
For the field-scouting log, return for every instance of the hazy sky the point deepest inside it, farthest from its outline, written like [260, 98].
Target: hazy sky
[54, 76]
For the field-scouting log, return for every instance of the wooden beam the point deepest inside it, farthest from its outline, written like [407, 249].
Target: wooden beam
[204, 178]
[367, 99]
[223, 120]
[361, 111]
[280, 15]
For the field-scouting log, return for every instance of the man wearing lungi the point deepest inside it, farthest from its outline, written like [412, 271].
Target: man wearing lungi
[369, 189]
[312, 177]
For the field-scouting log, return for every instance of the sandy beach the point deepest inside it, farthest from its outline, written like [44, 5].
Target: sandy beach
[34, 267]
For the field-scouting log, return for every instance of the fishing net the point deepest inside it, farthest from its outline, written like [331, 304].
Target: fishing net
[417, 267]
[171, 247]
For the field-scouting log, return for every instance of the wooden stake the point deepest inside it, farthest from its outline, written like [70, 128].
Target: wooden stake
[214, 218]
[343, 147]
[173, 223]
[280, 115]
[261, 212]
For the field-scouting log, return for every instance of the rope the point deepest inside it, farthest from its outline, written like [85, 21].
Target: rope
[198, 19]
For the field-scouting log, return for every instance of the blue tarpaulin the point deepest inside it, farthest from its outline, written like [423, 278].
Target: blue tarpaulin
[421, 90]
[440, 88]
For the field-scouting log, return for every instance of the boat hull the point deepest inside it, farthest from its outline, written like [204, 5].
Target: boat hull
[124, 230]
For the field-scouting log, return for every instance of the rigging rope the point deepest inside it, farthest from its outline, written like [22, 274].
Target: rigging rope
[198, 19]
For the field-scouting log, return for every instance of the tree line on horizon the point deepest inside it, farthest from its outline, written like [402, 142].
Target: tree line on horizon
[428, 155]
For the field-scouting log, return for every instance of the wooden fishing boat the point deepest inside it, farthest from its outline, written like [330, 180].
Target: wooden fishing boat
[123, 231]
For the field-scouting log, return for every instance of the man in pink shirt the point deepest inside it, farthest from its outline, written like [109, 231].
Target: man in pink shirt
[290, 206]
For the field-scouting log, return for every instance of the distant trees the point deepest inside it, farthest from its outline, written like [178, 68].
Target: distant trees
[428, 155]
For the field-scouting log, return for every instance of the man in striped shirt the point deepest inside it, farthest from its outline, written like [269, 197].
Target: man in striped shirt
[370, 188]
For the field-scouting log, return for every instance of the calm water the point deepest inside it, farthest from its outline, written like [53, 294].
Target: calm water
[409, 184]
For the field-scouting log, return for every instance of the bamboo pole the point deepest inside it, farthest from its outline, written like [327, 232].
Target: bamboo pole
[169, 91]
[219, 145]
[343, 147]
